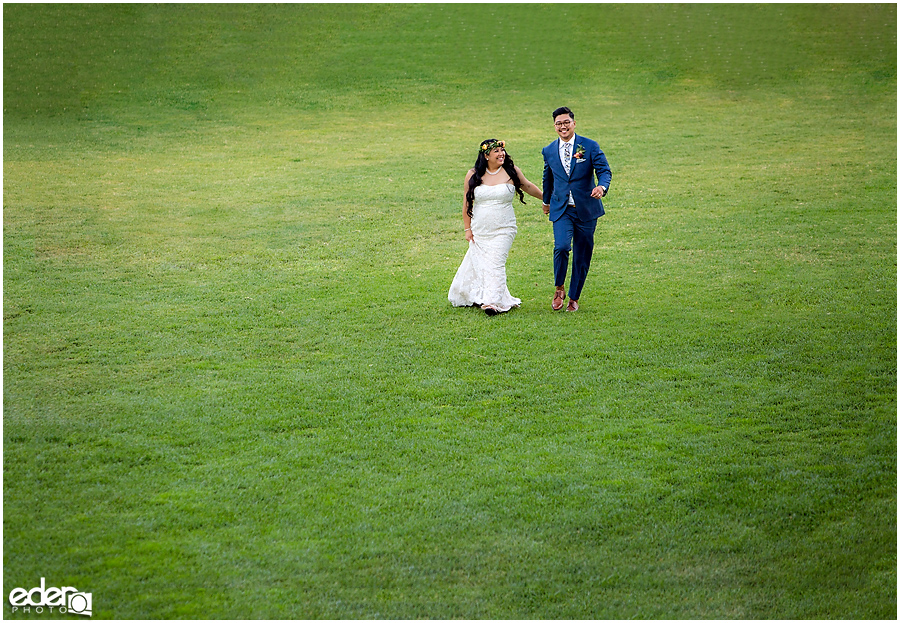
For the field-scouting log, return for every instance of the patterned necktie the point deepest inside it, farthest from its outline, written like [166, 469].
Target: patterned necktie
[567, 160]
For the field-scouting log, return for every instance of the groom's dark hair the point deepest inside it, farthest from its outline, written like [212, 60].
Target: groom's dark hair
[564, 110]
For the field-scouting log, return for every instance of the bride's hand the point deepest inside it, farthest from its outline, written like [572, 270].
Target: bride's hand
[469, 235]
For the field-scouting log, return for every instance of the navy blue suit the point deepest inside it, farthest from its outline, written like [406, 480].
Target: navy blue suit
[573, 226]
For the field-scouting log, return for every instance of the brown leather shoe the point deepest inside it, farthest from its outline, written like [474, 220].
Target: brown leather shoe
[572, 306]
[558, 300]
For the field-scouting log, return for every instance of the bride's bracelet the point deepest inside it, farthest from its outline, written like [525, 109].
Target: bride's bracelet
[468, 229]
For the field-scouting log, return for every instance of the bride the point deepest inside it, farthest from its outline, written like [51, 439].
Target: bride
[490, 227]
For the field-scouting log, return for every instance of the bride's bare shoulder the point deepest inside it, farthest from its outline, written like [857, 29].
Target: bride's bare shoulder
[466, 181]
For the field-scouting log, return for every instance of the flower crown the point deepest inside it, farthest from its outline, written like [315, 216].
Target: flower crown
[488, 148]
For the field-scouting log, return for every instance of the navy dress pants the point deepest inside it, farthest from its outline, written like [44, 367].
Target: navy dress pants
[574, 236]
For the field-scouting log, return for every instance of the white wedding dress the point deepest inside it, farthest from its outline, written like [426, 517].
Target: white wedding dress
[481, 278]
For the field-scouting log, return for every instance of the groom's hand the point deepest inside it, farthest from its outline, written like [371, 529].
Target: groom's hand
[546, 209]
[598, 192]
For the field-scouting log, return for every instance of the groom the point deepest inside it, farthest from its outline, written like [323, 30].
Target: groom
[573, 203]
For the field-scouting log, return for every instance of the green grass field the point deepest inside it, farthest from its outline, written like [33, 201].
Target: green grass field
[234, 387]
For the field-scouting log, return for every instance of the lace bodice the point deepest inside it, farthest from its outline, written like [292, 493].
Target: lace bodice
[492, 212]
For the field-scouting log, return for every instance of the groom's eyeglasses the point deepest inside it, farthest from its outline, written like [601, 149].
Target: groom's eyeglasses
[562, 124]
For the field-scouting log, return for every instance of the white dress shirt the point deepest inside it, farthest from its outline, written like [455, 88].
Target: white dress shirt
[562, 158]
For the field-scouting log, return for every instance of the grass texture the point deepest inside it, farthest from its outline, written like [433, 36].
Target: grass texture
[233, 386]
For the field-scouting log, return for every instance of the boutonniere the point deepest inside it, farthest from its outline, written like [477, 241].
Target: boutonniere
[579, 152]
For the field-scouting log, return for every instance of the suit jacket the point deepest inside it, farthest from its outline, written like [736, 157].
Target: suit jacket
[580, 181]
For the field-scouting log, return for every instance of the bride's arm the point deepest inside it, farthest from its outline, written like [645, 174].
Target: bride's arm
[528, 187]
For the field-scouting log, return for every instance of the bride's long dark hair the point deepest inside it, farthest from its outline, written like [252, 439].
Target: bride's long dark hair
[481, 166]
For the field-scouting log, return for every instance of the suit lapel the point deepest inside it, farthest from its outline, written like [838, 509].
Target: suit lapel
[562, 167]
